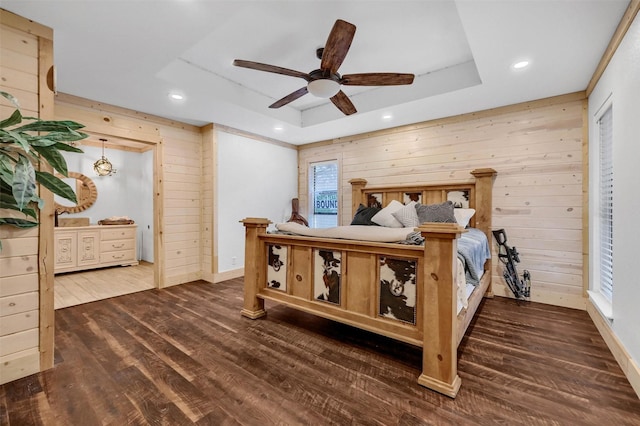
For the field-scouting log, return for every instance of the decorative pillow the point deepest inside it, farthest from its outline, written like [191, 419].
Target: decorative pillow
[442, 212]
[407, 215]
[385, 216]
[364, 214]
[463, 216]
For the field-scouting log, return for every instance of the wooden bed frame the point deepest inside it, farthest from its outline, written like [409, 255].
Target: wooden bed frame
[438, 328]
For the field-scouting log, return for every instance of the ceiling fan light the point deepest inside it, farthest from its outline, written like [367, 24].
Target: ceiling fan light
[323, 88]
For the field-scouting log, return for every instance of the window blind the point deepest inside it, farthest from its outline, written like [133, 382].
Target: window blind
[323, 194]
[605, 125]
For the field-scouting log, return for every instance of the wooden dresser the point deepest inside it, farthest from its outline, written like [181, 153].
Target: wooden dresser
[88, 247]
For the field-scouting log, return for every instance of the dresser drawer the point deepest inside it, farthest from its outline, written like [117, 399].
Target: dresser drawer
[116, 245]
[118, 256]
[117, 234]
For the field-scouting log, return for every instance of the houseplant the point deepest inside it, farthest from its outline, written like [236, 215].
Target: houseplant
[25, 144]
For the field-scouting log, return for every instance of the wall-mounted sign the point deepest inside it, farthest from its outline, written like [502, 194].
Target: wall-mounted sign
[325, 202]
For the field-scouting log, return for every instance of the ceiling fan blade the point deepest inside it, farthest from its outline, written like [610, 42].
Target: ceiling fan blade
[343, 103]
[377, 79]
[290, 98]
[270, 68]
[337, 45]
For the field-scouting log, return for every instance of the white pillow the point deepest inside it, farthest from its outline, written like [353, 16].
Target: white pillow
[463, 216]
[407, 215]
[385, 216]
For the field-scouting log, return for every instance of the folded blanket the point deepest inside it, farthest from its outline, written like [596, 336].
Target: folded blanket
[473, 250]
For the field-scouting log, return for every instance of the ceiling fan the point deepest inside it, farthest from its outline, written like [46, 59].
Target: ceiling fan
[325, 82]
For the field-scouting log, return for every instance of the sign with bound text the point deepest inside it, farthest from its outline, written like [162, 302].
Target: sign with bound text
[325, 202]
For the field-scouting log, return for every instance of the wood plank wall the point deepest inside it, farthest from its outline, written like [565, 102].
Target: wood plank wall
[178, 172]
[25, 56]
[536, 148]
[208, 196]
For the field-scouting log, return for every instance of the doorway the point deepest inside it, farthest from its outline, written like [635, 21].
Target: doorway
[128, 193]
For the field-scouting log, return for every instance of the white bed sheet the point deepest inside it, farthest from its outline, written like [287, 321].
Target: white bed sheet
[378, 234]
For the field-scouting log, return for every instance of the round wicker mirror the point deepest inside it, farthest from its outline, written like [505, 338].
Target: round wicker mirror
[86, 193]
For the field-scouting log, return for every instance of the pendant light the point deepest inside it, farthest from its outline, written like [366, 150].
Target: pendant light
[103, 167]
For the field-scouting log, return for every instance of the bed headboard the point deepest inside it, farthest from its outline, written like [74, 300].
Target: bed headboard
[475, 193]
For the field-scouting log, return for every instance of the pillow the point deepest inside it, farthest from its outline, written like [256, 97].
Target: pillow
[385, 216]
[463, 216]
[364, 214]
[442, 212]
[407, 215]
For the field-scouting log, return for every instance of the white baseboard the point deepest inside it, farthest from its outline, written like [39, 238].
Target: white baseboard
[627, 364]
[228, 275]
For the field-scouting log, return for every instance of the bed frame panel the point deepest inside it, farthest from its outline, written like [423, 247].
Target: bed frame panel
[437, 329]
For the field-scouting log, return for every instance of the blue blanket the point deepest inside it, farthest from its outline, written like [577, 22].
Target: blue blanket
[473, 250]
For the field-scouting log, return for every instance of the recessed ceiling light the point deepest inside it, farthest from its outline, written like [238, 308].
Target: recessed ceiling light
[520, 65]
[278, 128]
[387, 117]
[176, 96]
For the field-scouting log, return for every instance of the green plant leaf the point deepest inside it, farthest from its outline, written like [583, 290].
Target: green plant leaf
[24, 182]
[70, 136]
[5, 185]
[50, 126]
[8, 202]
[21, 147]
[6, 170]
[11, 99]
[15, 118]
[56, 185]
[20, 223]
[42, 141]
[38, 202]
[53, 157]
[15, 137]
[66, 147]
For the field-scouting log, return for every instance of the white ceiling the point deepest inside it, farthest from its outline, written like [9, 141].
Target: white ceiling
[134, 53]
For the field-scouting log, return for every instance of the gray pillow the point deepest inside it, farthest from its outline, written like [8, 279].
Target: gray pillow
[364, 214]
[408, 216]
[442, 212]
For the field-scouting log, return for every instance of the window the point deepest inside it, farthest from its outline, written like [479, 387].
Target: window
[323, 194]
[605, 210]
[601, 205]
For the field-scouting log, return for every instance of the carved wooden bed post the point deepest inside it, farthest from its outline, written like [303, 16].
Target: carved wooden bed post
[439, 301]
[254, 278]
[484, 210]
[357, 186]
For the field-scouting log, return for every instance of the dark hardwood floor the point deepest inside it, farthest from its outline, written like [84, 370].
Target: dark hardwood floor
[184, 355]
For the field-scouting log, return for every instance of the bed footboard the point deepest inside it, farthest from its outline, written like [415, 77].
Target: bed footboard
[433, 325]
